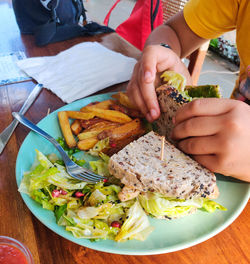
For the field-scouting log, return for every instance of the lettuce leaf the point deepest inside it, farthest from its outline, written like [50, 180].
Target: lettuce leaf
[43, 160]
[158, 205]
[136, 225]
[99, 146]
[63, 180]
[100, 167]
[59, 211]
[210, 206]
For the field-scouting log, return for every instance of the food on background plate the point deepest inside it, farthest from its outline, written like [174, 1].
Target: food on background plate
[168, 188]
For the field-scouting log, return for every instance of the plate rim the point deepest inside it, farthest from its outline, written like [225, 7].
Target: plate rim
[184, 245]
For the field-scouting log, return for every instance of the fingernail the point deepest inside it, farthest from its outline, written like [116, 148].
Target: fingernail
[153, 113]
[147, 76]
[173, 120]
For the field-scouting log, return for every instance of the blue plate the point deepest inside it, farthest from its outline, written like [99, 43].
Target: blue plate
[168, 236]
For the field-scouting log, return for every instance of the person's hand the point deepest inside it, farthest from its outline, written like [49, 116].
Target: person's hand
[216, 132]
[141, 88]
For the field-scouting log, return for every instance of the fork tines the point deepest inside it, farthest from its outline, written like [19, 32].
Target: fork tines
[87, 176]
[92, 176]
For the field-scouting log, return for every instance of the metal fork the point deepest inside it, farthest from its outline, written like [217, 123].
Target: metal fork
[72, 168]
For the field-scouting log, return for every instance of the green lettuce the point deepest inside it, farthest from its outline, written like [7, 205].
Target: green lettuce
[210, 206]
[101, 166]
[158, 205]
[99, 147]
[136, 225]
[59, 211]
[86, 210]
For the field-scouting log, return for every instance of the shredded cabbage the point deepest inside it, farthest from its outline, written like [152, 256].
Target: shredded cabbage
[136, 225]
[211, 206]
[99, 147]
[90, 214]
[158, 205]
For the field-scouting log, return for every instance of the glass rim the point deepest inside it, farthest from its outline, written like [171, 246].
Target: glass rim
[13, 242]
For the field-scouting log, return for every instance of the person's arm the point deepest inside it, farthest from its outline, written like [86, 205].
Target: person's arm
[178, 35]
[155, 59]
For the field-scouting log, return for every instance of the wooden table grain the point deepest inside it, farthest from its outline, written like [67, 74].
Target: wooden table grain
[230, 246]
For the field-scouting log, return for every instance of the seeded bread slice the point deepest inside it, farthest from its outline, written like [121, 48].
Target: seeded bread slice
[138, 166]
[170, 100]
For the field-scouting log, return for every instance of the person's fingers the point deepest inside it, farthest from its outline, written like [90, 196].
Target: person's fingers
[133, 91]
[150, 98]
[130, 87]
[198, 126]
[204, 107]
[146, 82]
[136, 97]
[149, 63]
[200, 145]
[131, 84]
[208, 161]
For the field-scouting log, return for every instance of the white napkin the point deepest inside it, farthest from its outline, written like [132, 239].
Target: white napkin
[79, 71]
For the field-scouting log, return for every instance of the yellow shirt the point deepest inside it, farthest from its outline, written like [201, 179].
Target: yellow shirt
[211, 18]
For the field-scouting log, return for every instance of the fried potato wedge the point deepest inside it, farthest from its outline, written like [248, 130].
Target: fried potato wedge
[128, 111]
[124, 100]
[124, 131]
[66, 130]
[89, 134]
[101, 105]
[110, 115]
[98, 125]
[86, 124]
[87, 143]
[80, 115]
[96, 129]
[76, 127]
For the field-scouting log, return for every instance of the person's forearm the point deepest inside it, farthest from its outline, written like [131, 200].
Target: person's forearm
[165, 34]
[177, 34]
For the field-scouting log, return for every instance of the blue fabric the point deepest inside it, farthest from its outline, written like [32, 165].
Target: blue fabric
[55, 20]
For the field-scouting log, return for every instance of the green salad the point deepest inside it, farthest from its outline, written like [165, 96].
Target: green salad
[90, 211]
[94, 211]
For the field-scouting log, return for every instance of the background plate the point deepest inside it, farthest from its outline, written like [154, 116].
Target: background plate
[168, 236]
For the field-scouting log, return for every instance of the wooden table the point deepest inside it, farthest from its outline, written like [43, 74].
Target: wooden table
[230, 246]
